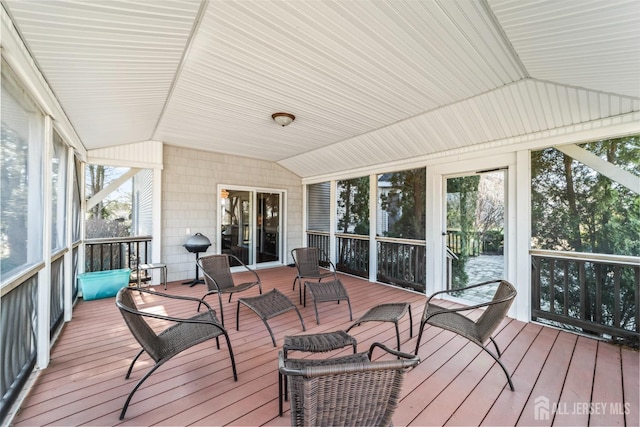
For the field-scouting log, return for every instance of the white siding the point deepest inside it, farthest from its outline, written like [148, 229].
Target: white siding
[200, 172]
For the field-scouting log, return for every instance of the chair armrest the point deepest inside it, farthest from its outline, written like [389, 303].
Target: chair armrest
[239, 261]
[171, 318]
[173, 296]
[332, 267]
[399, 354]
[449, 291]
[442, 310]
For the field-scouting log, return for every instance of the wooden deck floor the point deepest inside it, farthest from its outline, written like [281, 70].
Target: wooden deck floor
[560, 378]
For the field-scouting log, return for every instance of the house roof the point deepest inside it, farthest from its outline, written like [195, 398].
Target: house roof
[368, 81]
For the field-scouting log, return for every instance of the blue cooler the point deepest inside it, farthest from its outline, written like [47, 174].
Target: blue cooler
[103, 284]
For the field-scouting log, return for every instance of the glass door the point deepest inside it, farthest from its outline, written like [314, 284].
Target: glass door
[250, 225]
[268, 227]
[236, 224]
[475, 215]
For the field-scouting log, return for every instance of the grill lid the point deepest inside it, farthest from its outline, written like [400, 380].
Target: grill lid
[197, 243]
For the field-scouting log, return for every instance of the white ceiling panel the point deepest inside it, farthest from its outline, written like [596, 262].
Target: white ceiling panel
[514, 110]
[368, 81]
[589, 43]
[110, 63]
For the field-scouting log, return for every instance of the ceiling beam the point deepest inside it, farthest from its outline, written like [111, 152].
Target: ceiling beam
[607, 169]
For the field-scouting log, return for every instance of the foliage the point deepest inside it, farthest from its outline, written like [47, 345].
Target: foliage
[110, 217]
[353, 206]
[14, 192]
[406, 202]
[574, 208]
[577, 209]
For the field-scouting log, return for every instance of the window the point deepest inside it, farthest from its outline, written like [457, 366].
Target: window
[353, 206]
[58, 193]
[575, 208]
[401, 204]
[21, 166]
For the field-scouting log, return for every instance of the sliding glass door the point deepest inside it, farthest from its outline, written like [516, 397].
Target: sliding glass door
[250, 224]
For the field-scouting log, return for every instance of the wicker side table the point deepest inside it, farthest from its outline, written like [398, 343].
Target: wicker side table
[315, 343]
[266, 306]
[391, 312]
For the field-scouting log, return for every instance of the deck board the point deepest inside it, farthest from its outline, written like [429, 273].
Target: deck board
[455, 384]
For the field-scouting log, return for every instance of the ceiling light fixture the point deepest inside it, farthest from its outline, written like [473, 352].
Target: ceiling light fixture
[283, 119]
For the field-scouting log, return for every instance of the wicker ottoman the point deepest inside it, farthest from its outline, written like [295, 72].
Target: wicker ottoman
[391, 312]
[315, 343]
[267, 306]
[325, 292]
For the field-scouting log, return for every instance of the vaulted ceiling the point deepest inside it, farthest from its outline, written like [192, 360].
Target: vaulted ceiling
[368, 81]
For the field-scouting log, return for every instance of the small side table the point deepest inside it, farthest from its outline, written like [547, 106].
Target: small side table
[391, 312]
[161, 266]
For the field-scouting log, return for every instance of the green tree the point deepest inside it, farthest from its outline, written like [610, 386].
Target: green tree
[574, 208]
[353, 206]
[461, 214]
[406, 201]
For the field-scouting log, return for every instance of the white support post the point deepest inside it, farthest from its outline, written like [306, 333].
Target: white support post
[333, 197]
[68, 257]
[156, 243]
[435, 262]
[44, 276]
[373, 220]
[521, 277]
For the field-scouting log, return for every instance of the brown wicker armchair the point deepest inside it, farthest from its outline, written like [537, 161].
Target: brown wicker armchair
[476, 331]
[181, 335]
[345, 391]
[307, 261]
[218, 278]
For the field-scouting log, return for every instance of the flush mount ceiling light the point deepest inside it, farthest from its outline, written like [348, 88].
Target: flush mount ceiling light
[283, 119]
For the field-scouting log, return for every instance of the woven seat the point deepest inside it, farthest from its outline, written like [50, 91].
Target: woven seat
[391, 312]
[308, 262]
[476, 331]
[183, 334]
[345, 391]
[314, 343]
[326, 292]
[267, 306]
[219, 280]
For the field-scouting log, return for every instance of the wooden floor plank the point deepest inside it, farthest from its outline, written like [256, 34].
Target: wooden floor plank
[607, 405]
[477, 404]
[631, 387]
[507, 405]
[550, 381]
[578, 385]
[455, 384]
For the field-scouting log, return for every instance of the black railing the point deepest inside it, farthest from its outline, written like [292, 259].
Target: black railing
[320, 240]
[402, 263]
[56, 301]
[353, 254]
[117, 252]
[18, 334]
[590, 293]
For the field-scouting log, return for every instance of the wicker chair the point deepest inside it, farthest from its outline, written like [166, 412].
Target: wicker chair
[476, 331]
[181, 335]
[335, 392]
[218, 278]
[307, 261]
